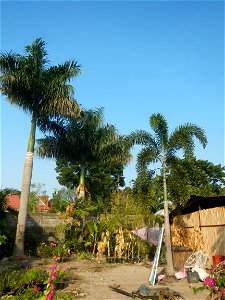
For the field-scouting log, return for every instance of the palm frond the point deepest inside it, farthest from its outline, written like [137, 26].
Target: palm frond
[183, 138]
[145, 157]
[47, 147]
[116, 152]
[64, 72]
[141, 137]
[8, 62]
[36, 89]
[37, 52]
[55, 126]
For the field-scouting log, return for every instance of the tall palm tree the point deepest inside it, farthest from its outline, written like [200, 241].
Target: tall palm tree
[162, 147]
[84, 141]
[43, 92]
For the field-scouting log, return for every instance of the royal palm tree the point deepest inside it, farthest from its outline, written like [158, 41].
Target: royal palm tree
[44, 93]
[162, 147]
[86, 141]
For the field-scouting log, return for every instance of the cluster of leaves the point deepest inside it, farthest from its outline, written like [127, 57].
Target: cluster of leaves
[61, 199]
[85, 231]
[101, 180]
[125, 214]
[185, 177]
[82, 143]
[20, 282]
[148, 191]
[214, 283]
[195, 177]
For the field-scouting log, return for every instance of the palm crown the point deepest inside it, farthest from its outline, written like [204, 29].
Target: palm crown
[86, 141]
[162, 146]
[38, 90]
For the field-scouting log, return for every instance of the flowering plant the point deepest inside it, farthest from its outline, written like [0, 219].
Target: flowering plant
[59, 251]
[46, 250]
[55, 276]
[214, 283]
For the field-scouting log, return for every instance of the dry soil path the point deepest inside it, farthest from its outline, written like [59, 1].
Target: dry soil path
[92, 279]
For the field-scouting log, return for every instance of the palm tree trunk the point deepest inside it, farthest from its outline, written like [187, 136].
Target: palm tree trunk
[169, 259]
[25, 191]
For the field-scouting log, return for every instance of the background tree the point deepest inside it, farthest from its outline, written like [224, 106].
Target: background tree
[162, 148]
[195, 177]
[36, 189]
[148, 191]
[101, 180]
[61, 199]
[44, 93]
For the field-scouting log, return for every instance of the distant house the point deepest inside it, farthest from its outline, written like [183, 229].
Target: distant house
[42, 203]
[13, 201]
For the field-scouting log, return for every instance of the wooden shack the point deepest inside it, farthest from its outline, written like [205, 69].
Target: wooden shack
[200, 225]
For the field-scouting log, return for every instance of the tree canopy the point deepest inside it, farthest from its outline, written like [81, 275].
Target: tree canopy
[83, 143]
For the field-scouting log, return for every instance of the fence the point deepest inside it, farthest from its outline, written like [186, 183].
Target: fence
[41, 226]
[201, 230]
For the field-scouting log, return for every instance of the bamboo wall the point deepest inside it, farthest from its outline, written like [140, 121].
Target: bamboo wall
[201, 230]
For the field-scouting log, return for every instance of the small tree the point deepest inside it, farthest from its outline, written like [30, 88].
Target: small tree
[162, 147]
[61, 199]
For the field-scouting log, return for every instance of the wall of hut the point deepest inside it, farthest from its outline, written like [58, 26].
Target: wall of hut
[200, 230]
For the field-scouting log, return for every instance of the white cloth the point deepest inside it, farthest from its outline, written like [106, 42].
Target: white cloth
[201, 272]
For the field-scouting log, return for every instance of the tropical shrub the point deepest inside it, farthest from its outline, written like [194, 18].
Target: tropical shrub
[16, 282]
[46, 250]
[30, 283]
[72, 233]
[60, 251]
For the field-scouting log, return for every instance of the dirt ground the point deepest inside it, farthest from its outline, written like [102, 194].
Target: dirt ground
[92, 279]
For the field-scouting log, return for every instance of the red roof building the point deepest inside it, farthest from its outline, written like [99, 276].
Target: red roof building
[42, 203]
[14, 201]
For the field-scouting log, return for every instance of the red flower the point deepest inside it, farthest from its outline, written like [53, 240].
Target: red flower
[36, 289]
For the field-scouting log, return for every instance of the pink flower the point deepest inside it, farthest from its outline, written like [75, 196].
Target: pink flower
[223, 292]
[36, 289]
[209, 281]
[53, 275]
[50, 295]
[57, 259]
[215, 288]
[54, 268]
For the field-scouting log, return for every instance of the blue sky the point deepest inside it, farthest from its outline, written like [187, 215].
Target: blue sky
[137, 58]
